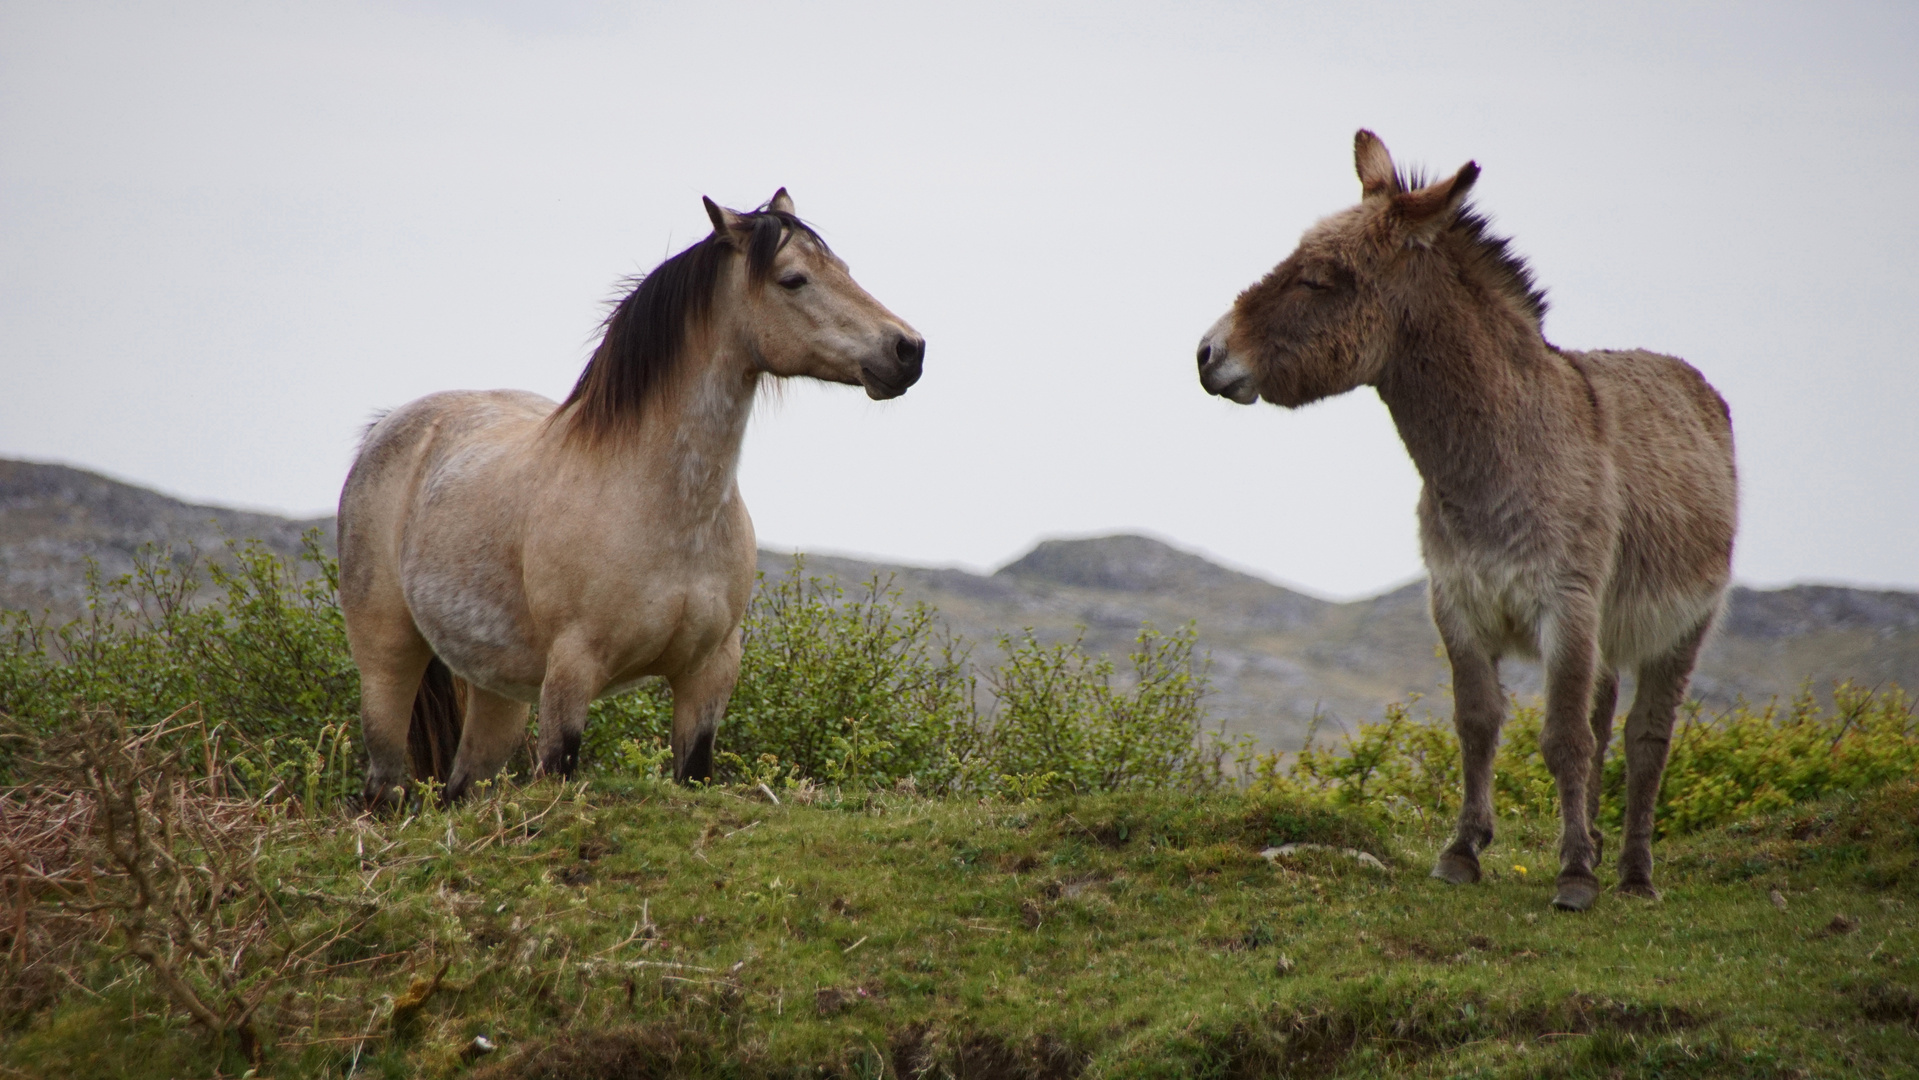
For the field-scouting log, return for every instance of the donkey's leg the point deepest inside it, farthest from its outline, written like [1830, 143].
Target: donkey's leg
[391, 664]
[1566, 742]
[1662, 686]
[1479, 708]
[492, 730]
[699, 701]
[573, 679]
[1605, 700]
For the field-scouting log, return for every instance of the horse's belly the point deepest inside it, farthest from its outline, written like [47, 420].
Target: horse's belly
[474, 626]
[707, 614]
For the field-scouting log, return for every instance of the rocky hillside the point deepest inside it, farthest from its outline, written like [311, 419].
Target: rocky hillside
[1279, 658]
[54, 518]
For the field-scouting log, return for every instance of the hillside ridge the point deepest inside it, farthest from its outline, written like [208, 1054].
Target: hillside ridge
[1281, 661]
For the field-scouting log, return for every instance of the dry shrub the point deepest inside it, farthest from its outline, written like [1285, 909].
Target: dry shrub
[131, 841]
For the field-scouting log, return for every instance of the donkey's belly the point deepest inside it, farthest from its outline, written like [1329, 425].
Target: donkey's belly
[1503, 605]
[1635, 629]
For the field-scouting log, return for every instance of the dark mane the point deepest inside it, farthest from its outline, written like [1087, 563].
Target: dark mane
[1502, 263]
[645, 333]
[1494, 253]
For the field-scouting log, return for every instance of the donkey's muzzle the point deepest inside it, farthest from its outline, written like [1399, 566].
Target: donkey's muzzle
[1224, 376]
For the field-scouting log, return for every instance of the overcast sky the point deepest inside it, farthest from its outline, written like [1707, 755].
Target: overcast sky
[230, 233]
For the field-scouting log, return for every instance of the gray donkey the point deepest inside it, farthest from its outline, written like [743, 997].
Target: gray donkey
[1578, 507]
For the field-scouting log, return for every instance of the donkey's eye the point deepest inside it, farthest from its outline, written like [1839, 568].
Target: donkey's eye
[792, 282]
[1316, 285]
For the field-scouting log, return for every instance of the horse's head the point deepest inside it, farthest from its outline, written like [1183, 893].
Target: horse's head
[801, 313]
[1325, 320]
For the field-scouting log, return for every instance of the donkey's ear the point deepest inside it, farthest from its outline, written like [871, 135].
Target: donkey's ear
[781, 202]
[724, 220]
[1425, 212]
[1375, 166]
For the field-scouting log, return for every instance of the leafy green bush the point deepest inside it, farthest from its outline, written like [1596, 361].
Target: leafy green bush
[265, 658]
[831, 686]
[1743, 763]
[855, 688]
[1061, 719]
[864, 688]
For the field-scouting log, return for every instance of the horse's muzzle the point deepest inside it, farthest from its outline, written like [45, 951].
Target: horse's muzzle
[890, 377]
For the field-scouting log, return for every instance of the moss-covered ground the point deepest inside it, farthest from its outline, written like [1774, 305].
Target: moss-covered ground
[644, 930]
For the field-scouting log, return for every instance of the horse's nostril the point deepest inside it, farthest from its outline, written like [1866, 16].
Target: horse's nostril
[1205, 354]
[910, 350]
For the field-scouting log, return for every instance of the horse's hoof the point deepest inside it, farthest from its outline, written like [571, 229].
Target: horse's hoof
[1576, 895]
[1455, 869]
[1641, 889]
[384, 800]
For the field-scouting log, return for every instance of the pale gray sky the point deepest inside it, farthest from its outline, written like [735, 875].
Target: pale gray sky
[230, 232]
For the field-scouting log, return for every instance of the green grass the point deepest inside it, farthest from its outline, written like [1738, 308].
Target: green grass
[643, 930]
[633, 929]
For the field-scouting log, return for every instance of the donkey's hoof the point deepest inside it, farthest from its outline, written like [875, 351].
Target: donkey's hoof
[1456, 869]
[1576, 895]
[1641, 889]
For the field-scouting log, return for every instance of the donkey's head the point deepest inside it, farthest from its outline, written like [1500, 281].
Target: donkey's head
[801, 313]
[1326, 319]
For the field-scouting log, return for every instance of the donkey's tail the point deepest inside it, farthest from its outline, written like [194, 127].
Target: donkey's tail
[439, 709]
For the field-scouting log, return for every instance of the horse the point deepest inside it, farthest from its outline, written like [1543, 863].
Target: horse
[1577, 507]
[534, 553]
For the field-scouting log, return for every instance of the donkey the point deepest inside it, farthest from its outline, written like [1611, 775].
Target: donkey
[1578, 507]
[553, 554]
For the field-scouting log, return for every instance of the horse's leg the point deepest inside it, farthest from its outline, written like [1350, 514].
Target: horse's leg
[1571, 652]
[571, 682]
[493, 728]
[1605, 700]
[699, 701]
[390, 672]
[1662, 686]
[1479, 708]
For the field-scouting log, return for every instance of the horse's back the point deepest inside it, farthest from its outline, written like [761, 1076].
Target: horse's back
[404, 456]
[1670, 437]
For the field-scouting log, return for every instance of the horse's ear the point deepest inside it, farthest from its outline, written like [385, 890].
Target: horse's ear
[1375, 165]
[1425, 212]
[724, 220]
[781, 202]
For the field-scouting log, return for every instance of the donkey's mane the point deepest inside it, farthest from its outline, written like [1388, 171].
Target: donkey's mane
[645, 333]
[1490, 251]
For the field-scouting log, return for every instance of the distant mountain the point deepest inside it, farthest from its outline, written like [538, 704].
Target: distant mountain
[54, 518]
[1279, 658]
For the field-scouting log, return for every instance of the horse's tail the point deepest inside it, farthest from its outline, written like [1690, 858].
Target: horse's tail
[439, 709]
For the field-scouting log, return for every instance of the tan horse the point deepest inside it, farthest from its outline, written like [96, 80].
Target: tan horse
[1578, 506]
[554, 554]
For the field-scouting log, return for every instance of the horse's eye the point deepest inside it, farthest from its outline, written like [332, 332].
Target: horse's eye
[792, 282]
[1315, 285]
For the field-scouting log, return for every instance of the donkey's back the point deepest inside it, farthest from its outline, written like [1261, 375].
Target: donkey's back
[1668, 435]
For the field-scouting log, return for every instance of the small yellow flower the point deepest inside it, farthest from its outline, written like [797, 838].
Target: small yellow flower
[1518, 869]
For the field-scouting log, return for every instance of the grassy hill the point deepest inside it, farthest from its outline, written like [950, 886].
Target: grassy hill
[891, 881]
[1279, 657]
[637, 930]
